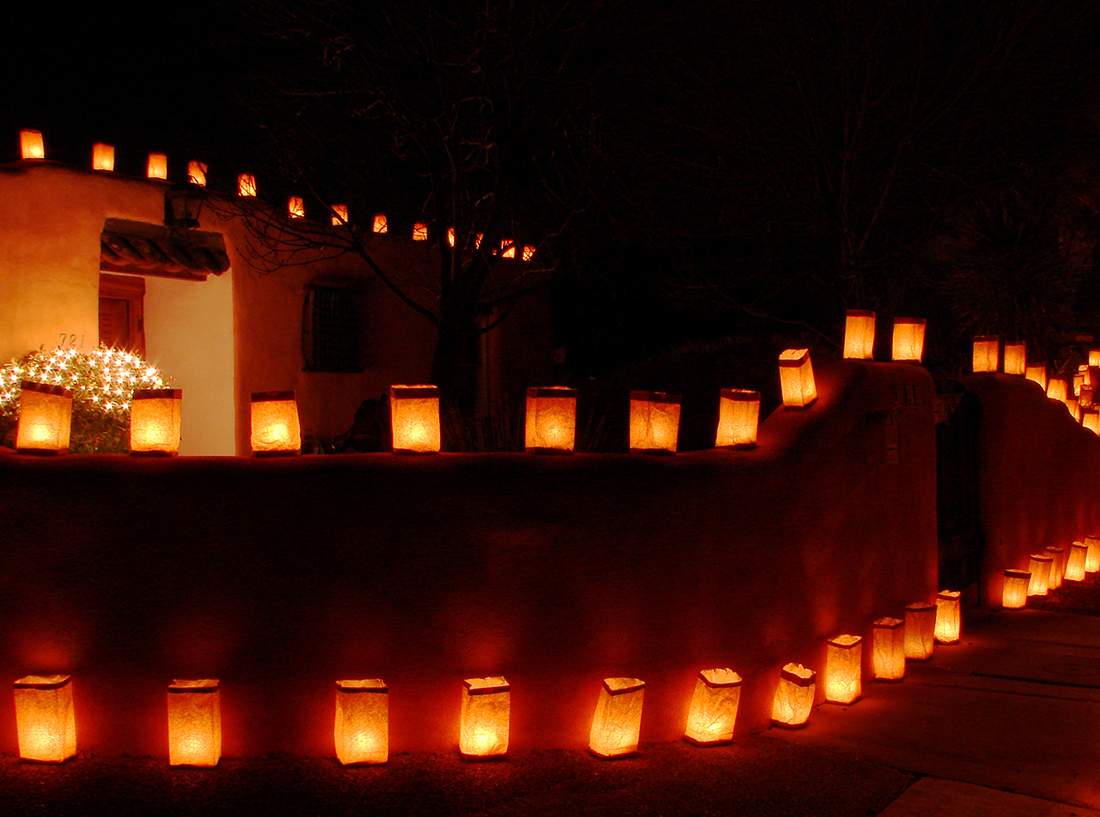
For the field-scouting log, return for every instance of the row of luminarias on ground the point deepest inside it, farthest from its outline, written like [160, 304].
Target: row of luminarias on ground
[103, 158]
[46, 719]
[1047, 571]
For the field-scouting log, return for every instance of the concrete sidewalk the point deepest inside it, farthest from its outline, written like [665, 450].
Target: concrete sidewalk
[1005, 723]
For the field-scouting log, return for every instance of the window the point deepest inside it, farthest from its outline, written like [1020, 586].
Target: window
[330, 329]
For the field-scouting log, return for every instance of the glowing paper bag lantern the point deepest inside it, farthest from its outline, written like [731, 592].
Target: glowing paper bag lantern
[908, 340]
[920, 631]
[103, 156]
[1085, 398]
[794, 697]
[1075, 565]
[1074, 408]
[859, 334]
[339, 215]
[483, 731]
[738, 418]
[713, 711]
[379, 225]
[1092, 563]
[1094, 357]
[1078, 380]
[948, 616]
[1057, 389]
[507, 248]
[1090, 419]
[1057, 566]
[420, 232]
[155, 422]
[986, 353]
[45, 419]
[796, 378]
[450, 236]
[1039, 567]
[843, 669]
[275, 428]
[44, 717]
[1014, 593]
[1037, 373]
[246, 185]
[618, 720]
[31, 144]
[528, 252]
[295, 207]
[196, 173]
[654, 422]
[157, 168]
[414, 416]
[888, 649]
[362, 731]
[551, 419]
[194, 723]
[1015, 357]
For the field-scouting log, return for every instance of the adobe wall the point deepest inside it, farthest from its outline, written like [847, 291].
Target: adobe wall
[280, 576]
[1039, 476]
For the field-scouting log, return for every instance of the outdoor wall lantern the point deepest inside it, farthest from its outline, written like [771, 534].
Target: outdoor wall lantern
[908, 341]
[654, 422]
[44, 718]
[155, 422]
[1075, 565]
[859, 334]
[296, 207]
[1057, 566]
[1039, 567]
[1037, 373]
[31, 144]
[275, 429]
[843, 669]
[414, 416]
[1014, 594]
[948, 616]
[103, 156]
[794, 697]
[45, 419]
[420, 231]
[362, 722]
[194, 723]
[1092, 563]
[157, 166]
[738, 418]
[618, 719]
[379, 225]
[796, 378]
[196, 173]
[920, 631]
[713, 711]
[246, 185]
[986, 353]
[483, 731]
[551, 420]
[888, 649]
[1015, 357]
[339, 215]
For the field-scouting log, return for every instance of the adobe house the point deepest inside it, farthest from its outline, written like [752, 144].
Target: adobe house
[86, 258]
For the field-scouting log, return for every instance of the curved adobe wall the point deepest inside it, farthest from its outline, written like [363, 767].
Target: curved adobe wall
[281, 576]
[1040, 474]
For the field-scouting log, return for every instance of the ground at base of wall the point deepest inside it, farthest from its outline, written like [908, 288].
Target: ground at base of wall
[755, 775]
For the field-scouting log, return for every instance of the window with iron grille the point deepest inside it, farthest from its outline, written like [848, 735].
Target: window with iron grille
[330, 329]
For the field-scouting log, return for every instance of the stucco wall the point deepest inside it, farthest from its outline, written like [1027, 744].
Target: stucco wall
[281, 576]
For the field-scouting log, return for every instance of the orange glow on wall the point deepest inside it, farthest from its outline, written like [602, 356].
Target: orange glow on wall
[738, 418]
[713, 711]
[844, 669]
[194, 723]
[1037, 373]
[45, 419]
[1015, 357]
[859, 334]
[380, 225]
[45, 718]
[986, 353]
[796, 378]
[1014, 594]
[483, 731]
[196, 173]
[1057, 389]
[1092, 562]
[1090, 419]
[908, 340]
[654, 422]
[948, 616]
[1039, 567]
[31, 144]
[420, 231]
[103, 156]
[362, 731]
[295, 207]
[246, 185]
[275, 428]
[155, 422]
[1075, 565]
[920, 631]
[794, 697]
[339, 215]
[157, 167]
[551, 419]
[888, 649]
[414, 417]
[618, 720]
[1057, 566]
